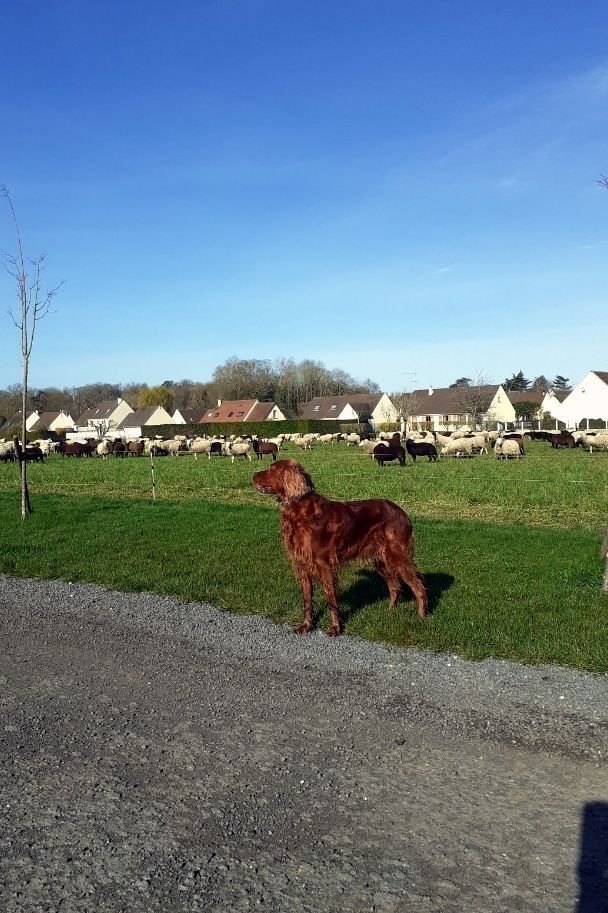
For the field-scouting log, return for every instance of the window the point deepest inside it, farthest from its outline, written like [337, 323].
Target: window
[240, 413]
[427, 418]
[230, 413]
[446, 419]
[335, 406]
[315, 408]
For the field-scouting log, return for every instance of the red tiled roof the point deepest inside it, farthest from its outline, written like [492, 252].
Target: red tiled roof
[260, 412]
[231, 410]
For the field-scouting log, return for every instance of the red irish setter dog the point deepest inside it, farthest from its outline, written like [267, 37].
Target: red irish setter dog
[319, 535]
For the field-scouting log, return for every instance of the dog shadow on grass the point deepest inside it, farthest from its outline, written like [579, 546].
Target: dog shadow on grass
[369, 587]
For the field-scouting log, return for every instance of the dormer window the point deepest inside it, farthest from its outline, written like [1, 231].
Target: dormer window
[315, 408]
[335, 406]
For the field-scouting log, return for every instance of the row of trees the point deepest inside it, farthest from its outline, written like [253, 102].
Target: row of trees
[292, 384]
[520, 382]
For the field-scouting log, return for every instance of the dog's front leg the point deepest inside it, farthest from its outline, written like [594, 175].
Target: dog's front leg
[306, 587]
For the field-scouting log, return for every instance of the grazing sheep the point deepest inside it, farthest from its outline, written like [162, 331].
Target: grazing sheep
[465, 446]
[239, 449]
[598, 441]
[262, 448]
[104, 449]
[302, 443]
[421, 448]
[7, 452]
[507, 448]
[368, 446]
[204, 445]
[352, 439]
[387, 451]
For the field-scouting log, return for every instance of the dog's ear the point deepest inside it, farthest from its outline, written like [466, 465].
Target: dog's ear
[296, 481]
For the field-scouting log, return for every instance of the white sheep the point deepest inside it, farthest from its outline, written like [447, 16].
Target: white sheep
[598, 441]
[368, 446]
[352, 439]
[507, 448]
[104, 449]
[174, 446]
[239, 449]
[302, 443]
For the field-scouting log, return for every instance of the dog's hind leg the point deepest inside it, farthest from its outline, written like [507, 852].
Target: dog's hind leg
[415, 581]
[327, 577]
[391, 579]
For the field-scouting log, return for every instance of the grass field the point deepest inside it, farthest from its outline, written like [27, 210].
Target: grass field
[510, 550]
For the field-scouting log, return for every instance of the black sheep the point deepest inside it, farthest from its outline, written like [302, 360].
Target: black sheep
[421, 448]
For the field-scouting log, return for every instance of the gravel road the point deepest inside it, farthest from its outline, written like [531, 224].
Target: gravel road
[162, 756]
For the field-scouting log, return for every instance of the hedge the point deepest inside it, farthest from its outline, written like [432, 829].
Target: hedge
[261, 429]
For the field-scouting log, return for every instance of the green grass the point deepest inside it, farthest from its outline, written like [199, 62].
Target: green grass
[512, 565]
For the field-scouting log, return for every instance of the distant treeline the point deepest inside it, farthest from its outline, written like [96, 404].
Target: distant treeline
[289, 383]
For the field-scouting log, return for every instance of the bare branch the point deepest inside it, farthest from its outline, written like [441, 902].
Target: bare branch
[603, 181]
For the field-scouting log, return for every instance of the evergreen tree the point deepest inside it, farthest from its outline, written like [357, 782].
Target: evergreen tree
[516, 382]
[560, 382]
[461, 382]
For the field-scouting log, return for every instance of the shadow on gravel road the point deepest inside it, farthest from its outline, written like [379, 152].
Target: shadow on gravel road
[370, 587]
[593, 860]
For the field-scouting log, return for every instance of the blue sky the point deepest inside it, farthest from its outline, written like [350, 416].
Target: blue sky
[406, 191]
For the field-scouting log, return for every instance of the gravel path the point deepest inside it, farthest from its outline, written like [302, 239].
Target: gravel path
[161, 756]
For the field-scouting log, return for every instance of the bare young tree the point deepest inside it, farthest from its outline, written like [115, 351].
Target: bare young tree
[473, 400]
[603, 182]
[407, 406]
[33, 305]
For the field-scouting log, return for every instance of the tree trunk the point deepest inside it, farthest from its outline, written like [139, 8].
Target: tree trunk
[25, 497]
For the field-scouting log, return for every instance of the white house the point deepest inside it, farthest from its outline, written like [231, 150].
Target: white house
[375, 408]
[52, 421]
[447, 408]
[105, 416]
[134, 424]
[588, 400]
[552, 404]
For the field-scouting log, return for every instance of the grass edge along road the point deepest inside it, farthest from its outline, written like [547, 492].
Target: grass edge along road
[508, 591]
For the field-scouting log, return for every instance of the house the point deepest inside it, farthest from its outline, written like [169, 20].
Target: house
[242, 410]
[552, 403]
[187, 416]
[266, 412]
[527, 396]
[134, 424]
[52, 421]
[374, 408]
[15, 422]
[105, 416]
[446, 408]
[587, 400]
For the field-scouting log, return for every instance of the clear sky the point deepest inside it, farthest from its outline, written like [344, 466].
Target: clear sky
[403, 190]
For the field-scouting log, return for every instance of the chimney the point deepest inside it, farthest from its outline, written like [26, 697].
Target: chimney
[219, 403]
[430, 391]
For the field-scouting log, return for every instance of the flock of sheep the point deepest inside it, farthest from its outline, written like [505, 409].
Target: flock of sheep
[460, 443]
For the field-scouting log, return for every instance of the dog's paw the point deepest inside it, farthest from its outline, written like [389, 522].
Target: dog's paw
[304, 628]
